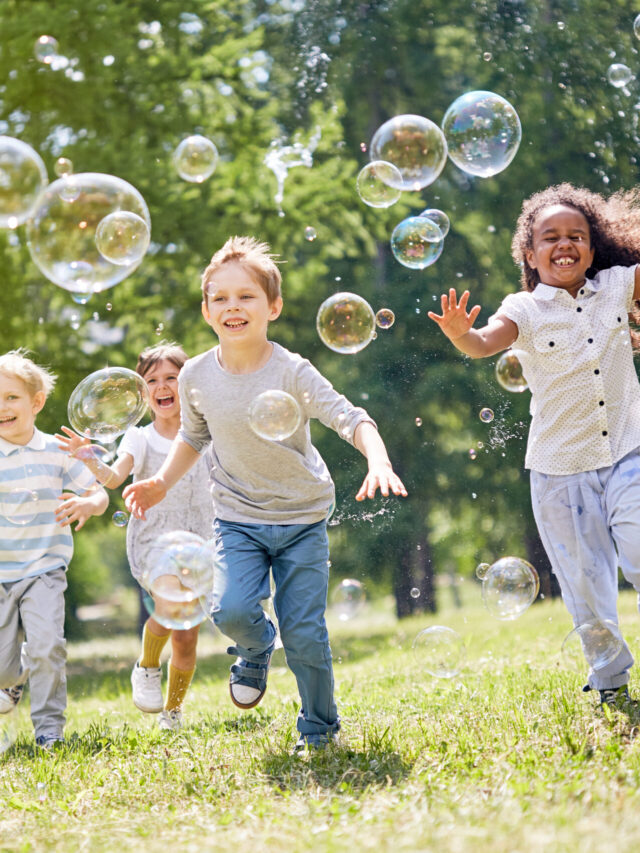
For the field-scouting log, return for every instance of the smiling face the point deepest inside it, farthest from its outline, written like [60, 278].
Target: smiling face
[237, 308]
[162, 380]
[18, 409]
[561, 252]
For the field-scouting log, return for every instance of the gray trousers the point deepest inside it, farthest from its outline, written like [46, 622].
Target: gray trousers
[32, 610]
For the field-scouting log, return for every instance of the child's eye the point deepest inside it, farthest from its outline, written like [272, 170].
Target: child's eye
[247, 296]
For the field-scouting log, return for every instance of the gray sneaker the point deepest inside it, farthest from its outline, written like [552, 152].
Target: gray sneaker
[170, 721]
[9, 698]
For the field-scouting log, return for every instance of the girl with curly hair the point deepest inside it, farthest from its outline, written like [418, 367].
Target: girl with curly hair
[578, 252]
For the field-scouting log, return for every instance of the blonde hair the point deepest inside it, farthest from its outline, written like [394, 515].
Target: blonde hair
[168, 350]
[36, 378]
[255, 256]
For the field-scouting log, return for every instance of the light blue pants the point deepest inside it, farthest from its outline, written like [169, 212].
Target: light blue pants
[589, 524]
[298, 557]
[33, 609]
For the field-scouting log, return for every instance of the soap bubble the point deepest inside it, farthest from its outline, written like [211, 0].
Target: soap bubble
[378, 184]
[418, 422]
[472, 453]
[415, 145]
[95, 457]
[106, 403]
[45, 49]
[385, 318]
[486, 415]
[439, 651]
[348, 599]
[20, 506]
[274, 415]
[310, 233]
[179, 577]
[22, 178]
[122, 237]
[195, 159]
[597, 641]
[483, 133]
[509, 587]
[345, 322]
[61, 234]
[416, 242]
[120, 518]
[415, 592]
[509, 372]
[63, 166]
[619, 75]
[439, 217]
[636, 26]
[482, 570]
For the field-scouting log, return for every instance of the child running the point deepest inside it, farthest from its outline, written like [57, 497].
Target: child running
[578, 252]
[37, 508]
[142, 452]
[271, 498]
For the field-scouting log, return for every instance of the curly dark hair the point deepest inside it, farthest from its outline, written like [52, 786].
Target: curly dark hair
[614, 226]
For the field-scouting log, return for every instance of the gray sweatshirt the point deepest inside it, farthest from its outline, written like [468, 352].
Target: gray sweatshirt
[255, 480]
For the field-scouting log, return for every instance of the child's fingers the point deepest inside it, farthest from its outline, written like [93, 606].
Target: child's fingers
[462, 305]
[437, 317]
[474, 313]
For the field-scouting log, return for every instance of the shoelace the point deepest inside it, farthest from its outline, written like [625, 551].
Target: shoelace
[14, 693]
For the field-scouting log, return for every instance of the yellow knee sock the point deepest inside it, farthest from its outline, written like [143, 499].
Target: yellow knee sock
[179, 681]
[152, 646]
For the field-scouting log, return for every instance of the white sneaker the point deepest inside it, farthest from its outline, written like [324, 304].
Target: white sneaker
[10, 697]
[146, 682]
[170, 721]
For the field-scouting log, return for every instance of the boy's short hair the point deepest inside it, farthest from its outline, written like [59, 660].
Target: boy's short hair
[36, 378]
[168, 350]
[252, 254]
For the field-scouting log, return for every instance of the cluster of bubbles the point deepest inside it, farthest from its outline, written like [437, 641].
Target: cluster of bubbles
[348, 599]
[280, 158]
[440, 651]
[274, 415]
[509, 586]
[599, 642]
[179, 576]
[107, 402]
[346, 322]
[509, 373]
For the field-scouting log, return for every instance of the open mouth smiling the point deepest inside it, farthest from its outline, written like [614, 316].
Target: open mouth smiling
[235, 324]
[565, 261]
[165, 402]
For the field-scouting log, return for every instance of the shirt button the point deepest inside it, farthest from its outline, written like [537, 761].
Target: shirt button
[590, 341]
[551, 343]
[578, 310]
[601, 403]
[582, 292]
[619, 320]
[604, 432]
[596, 371]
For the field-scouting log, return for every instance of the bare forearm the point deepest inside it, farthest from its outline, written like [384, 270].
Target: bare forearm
[180, 459]
[368, 441]
[475, 344]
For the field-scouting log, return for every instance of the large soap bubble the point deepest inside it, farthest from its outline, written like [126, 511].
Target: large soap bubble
[348, 599]
[378, 184]
[123, 237]
[179, 577]
[195, 159]
[22, 178]
[509, 587]
[106, 403]
[509, 372]
[61, 235]
[439, 651]
[20, 506]
[483, 133]
[598, 641]
[417, 242]
[346, 322]
[415, 145]
[274, 415]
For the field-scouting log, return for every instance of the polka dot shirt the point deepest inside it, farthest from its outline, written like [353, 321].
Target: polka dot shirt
[576, 356]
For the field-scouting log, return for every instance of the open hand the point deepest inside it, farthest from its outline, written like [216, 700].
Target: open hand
[454, 321]
[382, 477]
[70, 442]
[141, 496]
[73, 508]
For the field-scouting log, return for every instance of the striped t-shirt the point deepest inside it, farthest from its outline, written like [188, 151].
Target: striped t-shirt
[32, 479]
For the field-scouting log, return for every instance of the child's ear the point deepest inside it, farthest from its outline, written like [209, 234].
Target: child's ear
[275, 309]
[205, 310]
[37, 402]
[529, 256]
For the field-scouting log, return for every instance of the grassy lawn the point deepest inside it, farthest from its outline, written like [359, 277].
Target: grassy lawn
[509, 756]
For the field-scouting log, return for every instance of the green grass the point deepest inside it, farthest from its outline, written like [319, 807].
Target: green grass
[510, 756]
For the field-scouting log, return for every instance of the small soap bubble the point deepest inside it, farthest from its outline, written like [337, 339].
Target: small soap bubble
[415, 592]
[385, 318]
[417, 242]
[418, 422]
[487, 56]
[310, 233]
[619, 75]
[439, 217]
[486, 415]
[63, 166]
[122, 237]
[363, 147]
[19, 505]
[348, 599]
[345, 323]
[472, 453]
[120, 518]
[378, 184]
[41, 789]
[74, 321]
[509, 587]
[81, 298]
[415, 145]
[480, 444]
[599, 642]
[274, 415]
[483, 133]
[481, 570]
[107, 402]
[509, 373]
[108, 306]
[439, 651]
[22, 177]
[45, 49]
[195, 159]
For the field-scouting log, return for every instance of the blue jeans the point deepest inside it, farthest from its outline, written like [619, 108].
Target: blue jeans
[298, 556]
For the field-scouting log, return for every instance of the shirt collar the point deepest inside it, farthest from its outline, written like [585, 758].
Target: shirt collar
[546, 292]
[36, 442]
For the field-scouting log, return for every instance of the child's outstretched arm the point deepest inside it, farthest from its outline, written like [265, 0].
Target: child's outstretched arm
[81, 507]
[369, 442]
[457, 325]
[141, 496]
[110, 476]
